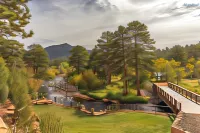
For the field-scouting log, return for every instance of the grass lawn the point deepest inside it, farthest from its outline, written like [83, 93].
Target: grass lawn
[114, 91]
[77, 122]
[190, 84]
[115, 87]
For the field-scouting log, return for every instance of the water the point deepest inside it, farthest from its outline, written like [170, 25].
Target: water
[58, 97]
[96, 105]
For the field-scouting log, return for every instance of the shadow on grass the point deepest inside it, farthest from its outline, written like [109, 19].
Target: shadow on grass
[83, 115]
[79, 113]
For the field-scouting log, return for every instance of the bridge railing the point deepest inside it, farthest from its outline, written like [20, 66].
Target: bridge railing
[66, 87]
[184, 92]
[170, 101]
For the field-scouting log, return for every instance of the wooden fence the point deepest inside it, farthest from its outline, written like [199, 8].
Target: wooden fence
[66, 87]
[184, 92]
[167, 98]
[139, 107]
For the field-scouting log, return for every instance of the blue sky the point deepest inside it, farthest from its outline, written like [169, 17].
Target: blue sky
[81, 22]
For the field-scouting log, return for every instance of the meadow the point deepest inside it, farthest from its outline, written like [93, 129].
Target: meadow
[77, 122]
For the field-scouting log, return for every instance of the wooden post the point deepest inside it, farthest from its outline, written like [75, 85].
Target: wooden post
[191, 96]
[175, 103]
[196, 98]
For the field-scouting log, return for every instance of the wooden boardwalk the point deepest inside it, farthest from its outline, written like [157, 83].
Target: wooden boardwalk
[184, 103]
[187, 105]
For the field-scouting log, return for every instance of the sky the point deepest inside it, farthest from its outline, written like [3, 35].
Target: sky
[81, 22]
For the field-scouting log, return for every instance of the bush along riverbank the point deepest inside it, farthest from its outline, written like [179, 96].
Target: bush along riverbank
[130, 98]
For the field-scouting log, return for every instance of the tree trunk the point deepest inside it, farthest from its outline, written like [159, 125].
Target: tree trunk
[78, 66]
[109, 76]
[125, 67]
[137, 69]
[94, 70]
[125, 81]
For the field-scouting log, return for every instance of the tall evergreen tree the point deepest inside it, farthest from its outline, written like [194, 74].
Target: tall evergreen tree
[79, 58]
[104, 52]
[4, 73]
[178, 53]
[18, 92]
[93, 60]
[142, 48]
[36, 57]
[121, 53]
[12, 51]
[14, 16]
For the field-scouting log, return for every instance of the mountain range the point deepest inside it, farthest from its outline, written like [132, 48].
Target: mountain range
[57, 51]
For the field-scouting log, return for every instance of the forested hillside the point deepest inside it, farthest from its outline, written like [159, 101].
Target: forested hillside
[59, 51]
[180, 53]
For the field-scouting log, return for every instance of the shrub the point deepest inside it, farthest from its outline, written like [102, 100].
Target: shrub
[3, 93]
[147, 86]
[54, 67]
[87, 80]
[82, 84]
[92, 81]
[65, 64]
[95, 96]
[46, 75]
[133, 99]
[114, 96]
[50, 123]
[130, 98]
[34, 84]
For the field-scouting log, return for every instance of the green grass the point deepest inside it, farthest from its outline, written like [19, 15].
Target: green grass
[190, 84]
[115, 87]
[77, 122]
[114, 91]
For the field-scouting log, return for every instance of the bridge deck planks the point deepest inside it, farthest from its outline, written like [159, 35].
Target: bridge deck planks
[188, 106]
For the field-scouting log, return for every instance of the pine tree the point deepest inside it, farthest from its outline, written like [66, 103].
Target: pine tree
[96, 63]
[93, 63]
[142, 48]
[18, 92]
[36, 57]
[121, 53]
[104, 53]
[79, 58]
[12, 51]
[178, 53]
[4, 73]
[14, 16]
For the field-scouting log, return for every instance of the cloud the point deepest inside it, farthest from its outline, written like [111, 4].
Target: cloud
[170, 11]
[81, 22]
[141, 1]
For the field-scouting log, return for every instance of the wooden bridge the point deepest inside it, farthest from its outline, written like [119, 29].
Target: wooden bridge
[178, 98]
[184, 103]
[66, 88]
